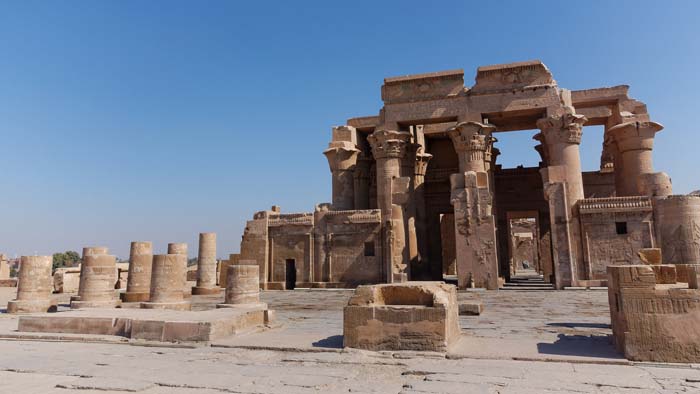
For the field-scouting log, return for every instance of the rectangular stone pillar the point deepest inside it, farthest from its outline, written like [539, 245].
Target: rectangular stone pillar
[475, 231]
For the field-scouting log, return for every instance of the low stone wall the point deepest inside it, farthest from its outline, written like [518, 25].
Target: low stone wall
[402, 316]
[654, 317]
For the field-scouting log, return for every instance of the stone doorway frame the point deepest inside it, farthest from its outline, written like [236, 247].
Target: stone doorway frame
[510, 215]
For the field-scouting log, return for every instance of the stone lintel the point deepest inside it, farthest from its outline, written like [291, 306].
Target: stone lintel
[364, 122]
[423, 87]
[598, 96]
[510, 76]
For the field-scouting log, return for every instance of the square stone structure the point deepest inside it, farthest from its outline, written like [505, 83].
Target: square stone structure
[405, 316]
[418, 194]
[654, 317]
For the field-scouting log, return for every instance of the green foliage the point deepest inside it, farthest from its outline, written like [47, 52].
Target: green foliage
[67, 259]
[191, 262]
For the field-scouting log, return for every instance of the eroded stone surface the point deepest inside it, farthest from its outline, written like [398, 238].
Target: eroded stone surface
[406, 316]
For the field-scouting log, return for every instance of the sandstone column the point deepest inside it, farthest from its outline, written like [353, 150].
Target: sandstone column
[475, 231]
[97, 286]
[177, 248]
[635, 141]
[243, 287]
[342, 155]
[168, 278]
[138, 285]
[421, 168]
[677, 220]
[89, 250]
[206, 265]
[34, 286]
[563, 187]
[389, 148]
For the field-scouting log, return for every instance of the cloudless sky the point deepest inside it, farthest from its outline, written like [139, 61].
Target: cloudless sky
[157, 120]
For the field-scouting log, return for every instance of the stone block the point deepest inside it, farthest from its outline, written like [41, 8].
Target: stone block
[471, 308]
[665, 274]
[650, 256]
[402, 316]
[653, 321]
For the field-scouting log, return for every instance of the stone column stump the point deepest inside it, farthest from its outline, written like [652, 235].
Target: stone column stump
[206, 266]
[243, 286]
[138, 285]
[167, 283]
[87, 251]
[34, 286]
[99, 274]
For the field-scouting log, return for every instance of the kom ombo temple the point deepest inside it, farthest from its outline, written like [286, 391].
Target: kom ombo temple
[418, 193]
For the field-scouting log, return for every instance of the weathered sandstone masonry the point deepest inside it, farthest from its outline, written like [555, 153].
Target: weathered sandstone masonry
[206, 265]
[243, 286]
[138, 286]
[654, 317]
[34, 286]
[427, 163]
[406, 316]
[99, 274]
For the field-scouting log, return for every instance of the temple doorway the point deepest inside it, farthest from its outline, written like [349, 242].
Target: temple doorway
[523, 250]
[290, 274]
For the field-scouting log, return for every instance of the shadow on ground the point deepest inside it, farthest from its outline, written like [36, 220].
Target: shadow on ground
[334, 342]
[580, 325]
[581, 345]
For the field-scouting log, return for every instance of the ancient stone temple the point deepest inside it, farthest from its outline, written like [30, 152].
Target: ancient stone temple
[418, 193]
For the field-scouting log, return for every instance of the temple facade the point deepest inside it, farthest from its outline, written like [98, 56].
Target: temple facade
[418, 193]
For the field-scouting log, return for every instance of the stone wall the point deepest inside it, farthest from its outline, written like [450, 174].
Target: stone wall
[613, 230]
[327, 248]
[652, 321]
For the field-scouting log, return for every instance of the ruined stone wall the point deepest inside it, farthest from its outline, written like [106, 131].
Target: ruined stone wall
[598, 184]
[353, 245]
[290, 238]
[653, 321]
[254, 245]
[613, 230]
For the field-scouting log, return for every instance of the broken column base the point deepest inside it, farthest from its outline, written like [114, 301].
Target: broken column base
[94, 304]
[206, 290]
[31, 306]
[176, 306]
[135, 297]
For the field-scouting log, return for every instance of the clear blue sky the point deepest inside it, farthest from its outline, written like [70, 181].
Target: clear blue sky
[157, 120]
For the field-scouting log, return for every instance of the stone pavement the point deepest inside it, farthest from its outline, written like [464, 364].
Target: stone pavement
[524, 342]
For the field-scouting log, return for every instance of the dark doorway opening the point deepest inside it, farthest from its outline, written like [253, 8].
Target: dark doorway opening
[291, 274]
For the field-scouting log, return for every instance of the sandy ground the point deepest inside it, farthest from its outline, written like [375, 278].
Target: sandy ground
[524, 342]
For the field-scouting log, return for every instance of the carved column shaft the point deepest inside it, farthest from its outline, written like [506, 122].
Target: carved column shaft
[635, 141]
[389, 148]
[563, 186]
[561, 136]
[342, 158]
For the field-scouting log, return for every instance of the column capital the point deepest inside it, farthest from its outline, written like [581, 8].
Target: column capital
[341, 155]
[389, 143]
[635, 135]
[566, 128]
[491, 152]
[422, 160]
[471, 136]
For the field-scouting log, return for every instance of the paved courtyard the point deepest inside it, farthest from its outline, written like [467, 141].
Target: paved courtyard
[524, 342]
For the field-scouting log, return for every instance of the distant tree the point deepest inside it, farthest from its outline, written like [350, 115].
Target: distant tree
[59, 260]
[191, 262]
[73, 257]
[65, 259]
